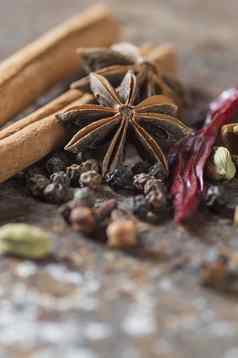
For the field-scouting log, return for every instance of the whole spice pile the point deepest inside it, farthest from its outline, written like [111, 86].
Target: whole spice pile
[113, 152]
[132, 103]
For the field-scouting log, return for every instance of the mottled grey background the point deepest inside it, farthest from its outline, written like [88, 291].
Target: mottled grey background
[96, 303]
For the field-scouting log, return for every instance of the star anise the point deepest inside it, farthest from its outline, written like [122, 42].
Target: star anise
[113, 63]
[116, 116]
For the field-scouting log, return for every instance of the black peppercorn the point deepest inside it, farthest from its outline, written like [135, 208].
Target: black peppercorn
[140, 206]
[120, 178]
[91, 179]
[156, 200]
[90, 164]
[36, 184]
[55, 164]
[154, 184]
[60, 178]
[213, 196]
[140, 180]
[158, 171]
[56, 193]
[74, 172]
[155, 194]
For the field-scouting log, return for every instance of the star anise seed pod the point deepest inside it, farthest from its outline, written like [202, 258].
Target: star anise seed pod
[116, 115]
[113, 63]
[93, 59]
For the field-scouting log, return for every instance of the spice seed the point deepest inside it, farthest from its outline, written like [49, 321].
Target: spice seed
[88, 165]
[120, 178]
[91, 179]
[60, 178]
[55, 164]
[37, 184]
[85, 196]
[83, 220]
[56, 193]
[74, 172]
[122, 234]
[140, 180]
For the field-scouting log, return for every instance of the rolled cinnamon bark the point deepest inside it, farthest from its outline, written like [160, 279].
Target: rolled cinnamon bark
[36, 68]
[30, 144]
[52, 107]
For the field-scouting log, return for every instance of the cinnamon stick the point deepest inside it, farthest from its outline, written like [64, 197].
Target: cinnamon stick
[31, 143]
[52, 107]
[36, 135]
[36, 68]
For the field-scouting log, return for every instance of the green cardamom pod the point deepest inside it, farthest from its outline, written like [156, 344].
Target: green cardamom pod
[24, 241]
[224, 163]
[221, 165]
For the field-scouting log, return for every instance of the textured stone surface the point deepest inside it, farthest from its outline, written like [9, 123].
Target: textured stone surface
[91, 302]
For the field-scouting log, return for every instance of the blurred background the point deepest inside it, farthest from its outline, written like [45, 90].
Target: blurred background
[209, 29]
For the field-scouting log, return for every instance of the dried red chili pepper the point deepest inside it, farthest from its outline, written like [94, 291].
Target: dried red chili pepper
[219, 103]
[192, 153]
